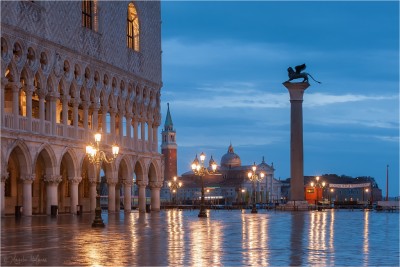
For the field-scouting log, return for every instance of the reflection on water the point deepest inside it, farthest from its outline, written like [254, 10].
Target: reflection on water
[180, 238]
[254, 240]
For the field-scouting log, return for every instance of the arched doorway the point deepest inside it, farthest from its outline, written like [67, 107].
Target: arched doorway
[67, 172]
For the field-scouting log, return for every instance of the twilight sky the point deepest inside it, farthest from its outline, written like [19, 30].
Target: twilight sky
[223, 68]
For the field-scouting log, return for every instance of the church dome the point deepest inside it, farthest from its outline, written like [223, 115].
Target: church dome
[230, 159]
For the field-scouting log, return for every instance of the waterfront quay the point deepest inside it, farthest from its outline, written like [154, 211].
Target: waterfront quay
[225, 237]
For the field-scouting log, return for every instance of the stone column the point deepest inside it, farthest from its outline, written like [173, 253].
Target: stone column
[155, 195]
[76, 102]
[104, 110]
[143, 135]
[296, 92]
[121, 130]
[27, 194]
[92, 192]
[111, 194]
[155, 138]
[150, 135]
[128, 129]
[4, 82]
[127, 196]
[15, 91]
[85, 106]
[142, 196]
[112, 122]
[51, 189]
[4, 177]
[29, 91]
[95, 116]
[135, 134]
[74, 182]
[65, 108]
[42, 118]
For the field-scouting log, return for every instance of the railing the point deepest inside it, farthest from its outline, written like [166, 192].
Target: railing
[23, 123]
[8, 120]
[35, 125]
[81, 134]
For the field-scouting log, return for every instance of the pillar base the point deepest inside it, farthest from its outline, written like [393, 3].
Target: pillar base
[98, 221]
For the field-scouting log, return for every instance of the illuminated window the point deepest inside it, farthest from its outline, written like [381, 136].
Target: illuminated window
[132, 28]
[87, 14]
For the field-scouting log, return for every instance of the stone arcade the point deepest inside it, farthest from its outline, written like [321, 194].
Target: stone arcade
[69, 69]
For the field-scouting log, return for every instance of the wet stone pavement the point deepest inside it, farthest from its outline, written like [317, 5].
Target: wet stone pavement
[225, 238]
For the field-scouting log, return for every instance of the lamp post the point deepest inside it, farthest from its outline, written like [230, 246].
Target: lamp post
[318, 185]
[96, 157]
[366, 190]
[330, 195]
[199, 170]
[254, 178]
[174, 184]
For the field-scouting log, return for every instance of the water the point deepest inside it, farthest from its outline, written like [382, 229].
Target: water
[225, 238]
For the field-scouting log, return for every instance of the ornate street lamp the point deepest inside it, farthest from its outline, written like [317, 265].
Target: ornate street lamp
[255, 178]
[174, 185]
[199, 170]
[318, 184]
[97, 156]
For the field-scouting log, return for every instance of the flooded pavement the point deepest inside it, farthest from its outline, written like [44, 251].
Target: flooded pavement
[180, 238]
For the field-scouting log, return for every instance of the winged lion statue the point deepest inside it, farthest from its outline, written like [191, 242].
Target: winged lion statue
[298, 74]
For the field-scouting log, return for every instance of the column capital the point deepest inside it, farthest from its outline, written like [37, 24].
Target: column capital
[141, 183]
[111, 181]
[156, 184]
[296, 90]
[28, 179]
[128, 115]
[85, 104]
[93, 180]
[127, 182]
[65, 98]
[53, 179]
[75, 180]
[75, 102]
[15, 86]
[29, 89]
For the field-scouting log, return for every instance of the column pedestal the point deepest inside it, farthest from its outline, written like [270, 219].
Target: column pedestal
[296, 92]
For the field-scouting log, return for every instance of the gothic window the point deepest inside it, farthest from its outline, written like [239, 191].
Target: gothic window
[87, 14]
[132, 28]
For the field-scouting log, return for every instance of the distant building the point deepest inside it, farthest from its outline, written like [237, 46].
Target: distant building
[232, 184]
[342, 189]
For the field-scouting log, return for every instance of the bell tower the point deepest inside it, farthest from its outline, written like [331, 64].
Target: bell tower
[169, 148]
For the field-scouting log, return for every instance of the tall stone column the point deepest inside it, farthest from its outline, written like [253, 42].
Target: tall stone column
[150, 135]
[155, 195]
[95, 116]
[15, 92]
[128, 130]
[51, 189]
[4, 177]
[29, 91]
[4, 82]
[296, 92]
[111, 194]
[76, 102]
[42, 113]
[85, 106]
[155, 138]
[142, 196]
[135, 134]
[104, 111]
[27, 194]
[74, 182]
[143, 134]
[92, 193]
[112, 122]
[127, 196]
[65, 109]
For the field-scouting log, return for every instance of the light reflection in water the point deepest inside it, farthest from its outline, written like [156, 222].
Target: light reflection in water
[366, 237]
[318, 238]
[205, 242]
[176, 234]
[255, 240]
